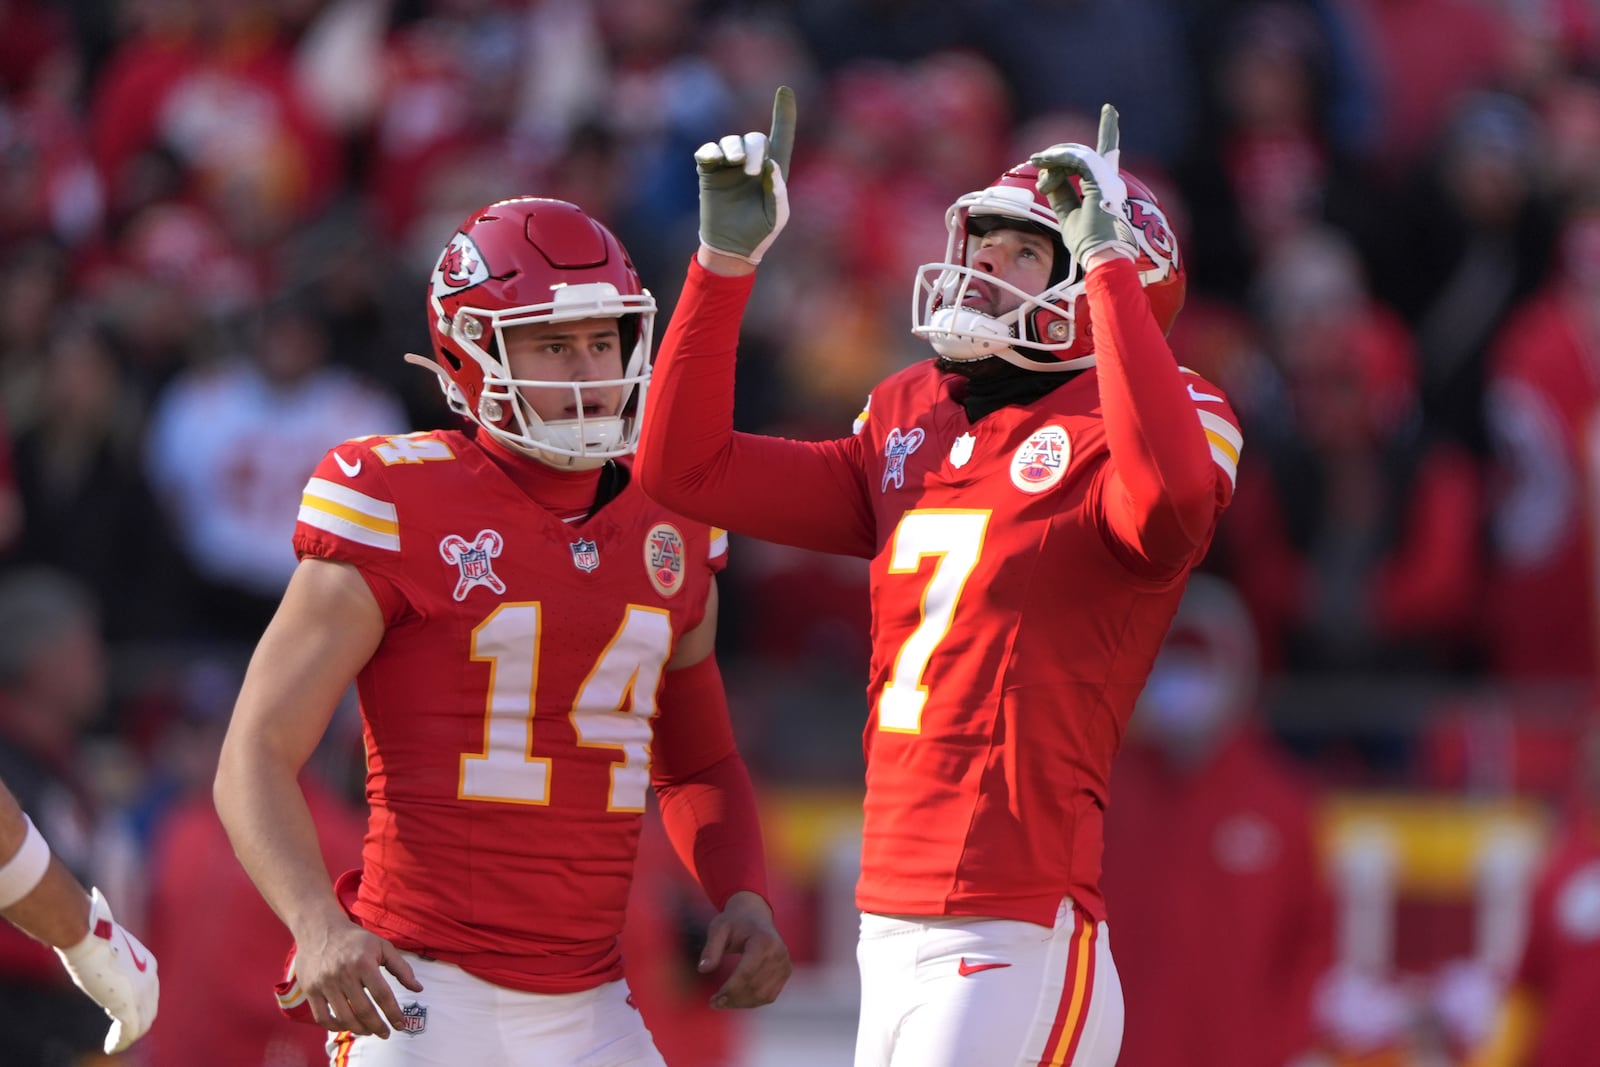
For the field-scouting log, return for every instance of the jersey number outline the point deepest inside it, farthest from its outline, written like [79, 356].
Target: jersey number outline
[954, 537]
[613, 708]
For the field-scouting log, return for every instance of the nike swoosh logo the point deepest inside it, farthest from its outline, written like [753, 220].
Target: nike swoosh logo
[139, 964]
[353, 469]
[966, 968]
[1196, 395]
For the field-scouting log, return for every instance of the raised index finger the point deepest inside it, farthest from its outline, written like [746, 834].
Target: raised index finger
[780, 142]
[1109, 134]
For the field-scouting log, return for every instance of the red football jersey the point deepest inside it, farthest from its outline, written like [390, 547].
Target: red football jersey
[508, 712]
[995, 713]
[1021, 581]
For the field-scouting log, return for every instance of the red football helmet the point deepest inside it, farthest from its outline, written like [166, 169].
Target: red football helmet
[532, 260]
[1053, 323]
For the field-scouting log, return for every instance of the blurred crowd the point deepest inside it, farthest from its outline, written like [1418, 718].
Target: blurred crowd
[216, 217]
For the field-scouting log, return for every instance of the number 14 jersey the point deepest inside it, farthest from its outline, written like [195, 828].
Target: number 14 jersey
[507, 714]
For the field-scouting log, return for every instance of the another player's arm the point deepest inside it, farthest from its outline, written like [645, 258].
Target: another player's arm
[43, 899]
[55, 909]
[709, 808]
[1163, 496]
[327, 627]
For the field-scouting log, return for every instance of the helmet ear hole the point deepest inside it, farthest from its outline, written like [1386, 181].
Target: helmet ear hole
[1051, 325]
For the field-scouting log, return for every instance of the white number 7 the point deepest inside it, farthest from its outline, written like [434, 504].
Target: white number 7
[956, 538]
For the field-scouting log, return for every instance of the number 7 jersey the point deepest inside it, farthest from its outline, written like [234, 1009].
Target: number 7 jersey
[507, 714]
[1011, 637]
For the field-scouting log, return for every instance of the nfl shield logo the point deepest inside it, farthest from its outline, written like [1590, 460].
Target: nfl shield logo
[961, 451]
[416, 1018]
[585, 555]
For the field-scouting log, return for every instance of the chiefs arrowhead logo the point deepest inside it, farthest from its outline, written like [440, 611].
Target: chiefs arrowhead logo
[460, 265]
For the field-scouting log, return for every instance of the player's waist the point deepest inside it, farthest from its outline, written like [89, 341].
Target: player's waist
[558, 956]
[1028, 894]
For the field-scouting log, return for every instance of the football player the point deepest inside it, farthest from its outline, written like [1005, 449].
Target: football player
[1032, 500]
[531, 639]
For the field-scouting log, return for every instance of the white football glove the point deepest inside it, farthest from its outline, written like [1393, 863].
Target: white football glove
[117, 971]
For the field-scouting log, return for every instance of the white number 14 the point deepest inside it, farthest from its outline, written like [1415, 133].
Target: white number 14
[612, 710]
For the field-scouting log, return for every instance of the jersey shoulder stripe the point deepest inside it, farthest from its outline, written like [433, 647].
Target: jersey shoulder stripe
[1226, 443]
[719, 543]
[1218, 421]
[340, 510]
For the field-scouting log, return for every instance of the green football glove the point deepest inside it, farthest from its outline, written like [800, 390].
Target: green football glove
[1099, 219]
[744, 203]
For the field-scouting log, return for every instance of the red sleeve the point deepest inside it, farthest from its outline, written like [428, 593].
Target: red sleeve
[801, 493]
[1163, 497]
[322, 533]
[707, 802]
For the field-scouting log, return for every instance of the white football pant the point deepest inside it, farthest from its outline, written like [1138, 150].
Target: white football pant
[459, 1020]
[970, 992]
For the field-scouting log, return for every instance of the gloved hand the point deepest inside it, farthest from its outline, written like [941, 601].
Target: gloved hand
[117, 971]
[744, 203]
[1099, 219]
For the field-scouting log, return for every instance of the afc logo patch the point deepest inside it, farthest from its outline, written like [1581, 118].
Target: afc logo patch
[896, 447]
[1042, 460]
[473, 557]
[664, 558]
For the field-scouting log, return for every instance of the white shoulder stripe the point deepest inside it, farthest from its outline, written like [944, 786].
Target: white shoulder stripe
[1226, 442]
[343, 494]
[719, 543]
[347, 529]
[1222, 428]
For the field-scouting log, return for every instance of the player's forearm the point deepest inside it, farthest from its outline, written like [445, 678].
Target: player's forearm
[713, 823]
[56, 911]
[688, 421]
[269, 824]
[799, 493]
[1154, 436]
[37, 893]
